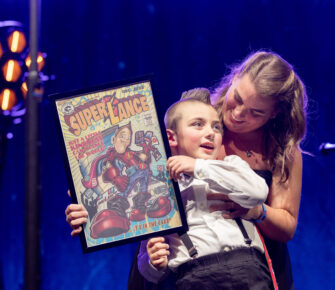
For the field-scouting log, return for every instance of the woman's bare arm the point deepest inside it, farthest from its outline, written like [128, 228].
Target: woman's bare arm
[283, 203]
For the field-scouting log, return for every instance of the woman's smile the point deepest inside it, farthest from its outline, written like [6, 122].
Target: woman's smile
[234, 119]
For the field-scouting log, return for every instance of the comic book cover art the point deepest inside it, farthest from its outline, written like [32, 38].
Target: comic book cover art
[118, 163]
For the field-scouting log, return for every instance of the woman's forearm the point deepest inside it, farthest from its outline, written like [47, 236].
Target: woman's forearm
[278, 225]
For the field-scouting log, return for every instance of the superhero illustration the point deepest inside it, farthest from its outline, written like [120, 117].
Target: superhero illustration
[129, 175]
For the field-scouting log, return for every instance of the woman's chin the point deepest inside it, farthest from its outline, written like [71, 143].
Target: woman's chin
[235, 128]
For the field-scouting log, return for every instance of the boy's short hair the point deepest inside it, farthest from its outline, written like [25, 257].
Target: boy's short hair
[197, 95]
[201, 94]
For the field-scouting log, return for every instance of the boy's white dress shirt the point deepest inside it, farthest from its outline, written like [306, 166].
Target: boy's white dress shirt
[209, 231]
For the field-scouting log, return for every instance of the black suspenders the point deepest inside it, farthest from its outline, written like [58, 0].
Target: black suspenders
[192, 250]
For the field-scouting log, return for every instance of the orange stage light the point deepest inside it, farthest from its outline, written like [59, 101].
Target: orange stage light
[7, 99]
[16, 41]
[24, 89]
[11, 70]
[40, 61]
[1, 51]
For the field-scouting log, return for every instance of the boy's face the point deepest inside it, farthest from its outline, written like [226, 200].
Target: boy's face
[199, 131]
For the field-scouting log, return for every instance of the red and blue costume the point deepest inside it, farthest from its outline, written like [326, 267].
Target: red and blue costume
[124, 171]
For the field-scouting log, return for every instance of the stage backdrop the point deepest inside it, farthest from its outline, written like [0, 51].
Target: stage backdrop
[185, 44]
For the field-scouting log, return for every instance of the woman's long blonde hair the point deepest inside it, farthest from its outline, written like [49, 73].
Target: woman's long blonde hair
[274, 78]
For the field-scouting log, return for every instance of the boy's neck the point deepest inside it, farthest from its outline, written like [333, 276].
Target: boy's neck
[174, 151]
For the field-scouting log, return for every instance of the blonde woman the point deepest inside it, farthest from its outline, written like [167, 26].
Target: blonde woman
[262, 103]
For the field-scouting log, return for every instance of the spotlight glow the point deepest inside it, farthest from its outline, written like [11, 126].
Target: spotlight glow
[11, 70]
[7, 100]
[40, 61]
[24, 89]
[15, 41]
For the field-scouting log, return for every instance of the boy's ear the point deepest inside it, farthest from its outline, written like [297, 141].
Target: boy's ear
[172, 137]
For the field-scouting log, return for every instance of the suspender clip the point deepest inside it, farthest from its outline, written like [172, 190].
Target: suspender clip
[247, 241]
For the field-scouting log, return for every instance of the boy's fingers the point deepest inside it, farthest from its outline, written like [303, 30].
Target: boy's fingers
[76, 232]
[157, 247]
[161, 253]
[155, 240]
[158, 261]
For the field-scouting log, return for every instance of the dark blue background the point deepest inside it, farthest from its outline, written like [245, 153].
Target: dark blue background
[185, 44]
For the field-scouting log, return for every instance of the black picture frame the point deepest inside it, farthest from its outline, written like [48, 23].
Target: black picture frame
[115, 149]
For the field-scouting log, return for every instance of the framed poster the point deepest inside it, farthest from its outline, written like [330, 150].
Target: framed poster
[115, 151]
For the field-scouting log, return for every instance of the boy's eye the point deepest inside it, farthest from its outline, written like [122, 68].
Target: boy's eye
[197, 124]
[218, 127]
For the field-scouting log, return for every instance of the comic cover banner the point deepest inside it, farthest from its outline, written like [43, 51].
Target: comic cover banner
[117, 160]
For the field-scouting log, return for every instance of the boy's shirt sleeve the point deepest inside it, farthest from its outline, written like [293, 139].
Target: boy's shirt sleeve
[234, 177]
[147, 270]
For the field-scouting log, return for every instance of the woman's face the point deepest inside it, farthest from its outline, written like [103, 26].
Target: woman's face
[244, 111]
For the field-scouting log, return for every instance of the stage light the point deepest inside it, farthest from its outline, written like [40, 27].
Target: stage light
[11, 70]
[1, 50]
[16, 41]
[40, 61]
[13, 51]
[14, 66]
[24, 89]
[7, 99]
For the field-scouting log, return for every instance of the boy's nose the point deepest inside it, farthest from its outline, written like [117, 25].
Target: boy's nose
[210, 133]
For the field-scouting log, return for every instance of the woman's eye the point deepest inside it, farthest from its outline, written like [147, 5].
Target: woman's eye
[256, 114]
[238, 99]
[196, 124]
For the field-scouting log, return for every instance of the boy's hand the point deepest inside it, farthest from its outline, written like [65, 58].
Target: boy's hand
[180, 164]
[76, 215]
[158, 252]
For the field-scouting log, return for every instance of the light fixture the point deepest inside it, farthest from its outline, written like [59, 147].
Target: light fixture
[13, 51]
[16, 41]
[24, 89]
[11, 70]
[1, 50]
[40, 61]
[14, 66]
[7, 99]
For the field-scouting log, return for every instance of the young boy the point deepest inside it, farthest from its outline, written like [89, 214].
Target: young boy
[229, 256]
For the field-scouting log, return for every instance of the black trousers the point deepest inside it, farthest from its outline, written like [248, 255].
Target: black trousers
[244, 268]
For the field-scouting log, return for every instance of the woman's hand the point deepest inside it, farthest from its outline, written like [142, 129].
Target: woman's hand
[231, 209]
[76, 215]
